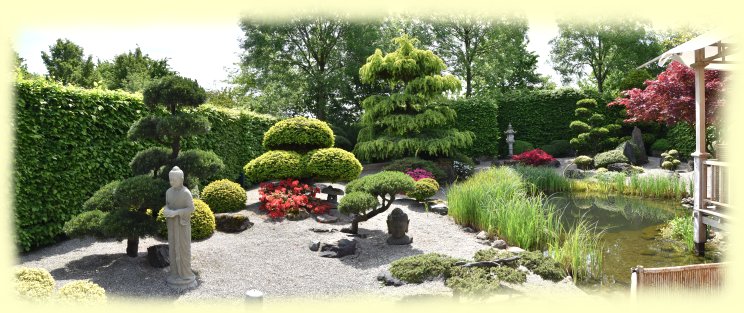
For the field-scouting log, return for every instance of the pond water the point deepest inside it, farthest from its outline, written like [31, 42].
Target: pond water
[631, 234]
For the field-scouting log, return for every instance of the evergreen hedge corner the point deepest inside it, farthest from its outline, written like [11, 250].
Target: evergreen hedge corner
[480, 116]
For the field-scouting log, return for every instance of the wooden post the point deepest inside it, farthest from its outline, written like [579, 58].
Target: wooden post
[701, 188]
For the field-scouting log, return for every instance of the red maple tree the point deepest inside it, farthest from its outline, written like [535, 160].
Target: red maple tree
[670, 98]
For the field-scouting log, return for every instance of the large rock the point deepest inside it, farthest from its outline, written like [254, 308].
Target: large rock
[618, 167]
[326, 218]
[630, 151]
[232, 222]
[157, 256]
[499, 244]
[340, 248]
[637, 139]
[439, 208]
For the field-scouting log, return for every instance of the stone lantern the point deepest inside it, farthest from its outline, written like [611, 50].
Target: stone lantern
[510, 139]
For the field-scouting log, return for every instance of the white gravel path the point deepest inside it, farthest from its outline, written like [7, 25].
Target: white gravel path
[273, 256]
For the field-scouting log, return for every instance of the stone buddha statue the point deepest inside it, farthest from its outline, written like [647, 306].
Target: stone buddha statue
[179, 205]
[397, 223]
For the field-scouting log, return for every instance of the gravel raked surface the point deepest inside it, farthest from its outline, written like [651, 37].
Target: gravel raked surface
[273, 257]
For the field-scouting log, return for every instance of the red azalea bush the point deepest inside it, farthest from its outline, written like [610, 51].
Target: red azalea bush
[419, 174]
[534, 157]
[289, 196]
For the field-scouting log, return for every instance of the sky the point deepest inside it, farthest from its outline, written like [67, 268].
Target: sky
[202, 52]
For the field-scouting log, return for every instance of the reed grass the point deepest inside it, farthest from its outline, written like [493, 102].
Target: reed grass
[545, 179]
[580, 251]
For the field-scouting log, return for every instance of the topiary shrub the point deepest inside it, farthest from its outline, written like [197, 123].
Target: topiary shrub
[332, 164]
[660, 145]
[142, 191]
[202, 221]
[520, 147]
[224, 196]
[298, 133]
[606, 158]
[423, 189]
[412, 163]
[558, 148]
[583, 162]
[385, 185]
[33, 284]
[86, 223]
[670, 160]
[419, 268]
[103, 199]
[82, 291]
[276, 164]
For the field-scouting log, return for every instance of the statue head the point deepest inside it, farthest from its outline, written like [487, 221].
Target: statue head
[176, 177]
[397, 223]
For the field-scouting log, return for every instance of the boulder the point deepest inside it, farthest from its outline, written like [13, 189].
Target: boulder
[555, 163]
[574, 173]
[482, 235]
[326, 218]
[232, 222]
[340, 248]
[439, 208]
[314, 246]
[387, 278]
[619, 167]
[637, 139]
[468, 230]
[515, 250]
[630, 151]
[157, 256]
[499, 244]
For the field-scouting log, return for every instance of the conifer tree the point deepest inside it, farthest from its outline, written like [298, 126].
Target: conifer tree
[412, 118]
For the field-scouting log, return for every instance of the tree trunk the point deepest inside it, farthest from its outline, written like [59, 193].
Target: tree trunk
[175, 147]
[354, 228]
[132, 246]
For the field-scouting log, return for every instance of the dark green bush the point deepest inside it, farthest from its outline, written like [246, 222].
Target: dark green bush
[198, 164]
[224, 196]
[357, 202]
[558, 148]
[661, 144]
[276, 164]
[33, 284]
[542, 265]
[182, 124]
[298, 133]
[68, 142]
[606, 158]
[479, 116]
[419, 268]
[174, 90]
[521, 146]
[332, 164]
[103, 199]
[143, 191]
[82, 292]
[382, 183]
[411, 163]
[472, 281]
[86, 223]
[202, 221]
[149, 160]
[682, 138]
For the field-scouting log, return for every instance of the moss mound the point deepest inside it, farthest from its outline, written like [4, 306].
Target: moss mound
[82, 291]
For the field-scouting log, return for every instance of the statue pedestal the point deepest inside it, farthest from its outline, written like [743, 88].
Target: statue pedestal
[405, 240]
[181, 284]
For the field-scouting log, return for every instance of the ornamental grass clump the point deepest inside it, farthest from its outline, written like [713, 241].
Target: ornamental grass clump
[543, 179]
[580, 251]
[224, 196]
[680, 229]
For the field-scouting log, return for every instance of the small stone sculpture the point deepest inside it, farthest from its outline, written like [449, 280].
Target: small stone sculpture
[179, 205]
[397, 223]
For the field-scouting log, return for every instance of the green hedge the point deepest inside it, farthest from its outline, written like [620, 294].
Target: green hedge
[479, 116]
[71, 141]
[682, 138]
[538, 116]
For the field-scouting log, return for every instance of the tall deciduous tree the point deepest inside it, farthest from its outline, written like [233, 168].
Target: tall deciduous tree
[67, 64]
[411, 117]
[133, 70]
[670, 98]
[487, 53]
[599, 48]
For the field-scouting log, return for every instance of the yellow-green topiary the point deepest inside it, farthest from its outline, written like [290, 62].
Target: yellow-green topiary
[202, 221]
[332, 164]
[33, 283]
[224, 196]
[82, 291]
[298, 133]
[423, 189]
[276, 164]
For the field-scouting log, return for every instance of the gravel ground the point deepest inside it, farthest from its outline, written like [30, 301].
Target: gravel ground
[273, 257]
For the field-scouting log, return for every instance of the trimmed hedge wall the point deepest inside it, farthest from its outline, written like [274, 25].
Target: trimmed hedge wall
[479, 116]
[71, 141]
[538, 116]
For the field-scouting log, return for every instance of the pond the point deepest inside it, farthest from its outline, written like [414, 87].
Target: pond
[631, 234]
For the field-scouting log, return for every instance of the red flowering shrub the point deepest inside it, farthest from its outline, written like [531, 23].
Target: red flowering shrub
[289, 196]
[419, 174]
[534, 157]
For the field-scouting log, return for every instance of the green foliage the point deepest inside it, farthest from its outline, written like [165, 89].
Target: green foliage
[424, 189]
[202, 221]
[558, 148]
[584, 162]
[82, 292]
[579, 253]
[33, 284]
[579, 126]
[543, 178]
[224, 196]
[661, 144]
[132, 71]
[682, 137]
[681, 229]
[149, 160]
[197, 164]
[472, 281]
[408, 119]
[589, 104]
[636, 150]
[419, 268]
[385, 183]
[606, 158]
[86, 223]
[544, 266]
[275, 164]
[142, 191]
[521, 146]
[670, 160]
[411, 163]
[480, 116]
[298, 133]
[591, 133]
[172, 91]
[103, 199]
[357, 202]
[66, 63]
[81, 135]
[332, 164]
[127, 223]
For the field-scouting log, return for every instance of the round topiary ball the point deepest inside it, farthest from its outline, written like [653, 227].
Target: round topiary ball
[33, 283]
[82, 291]
[423, 189]
[357, 202]
[277, 164]
[298, 133]
[202, 221]
[224, 196]
[332, 164]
